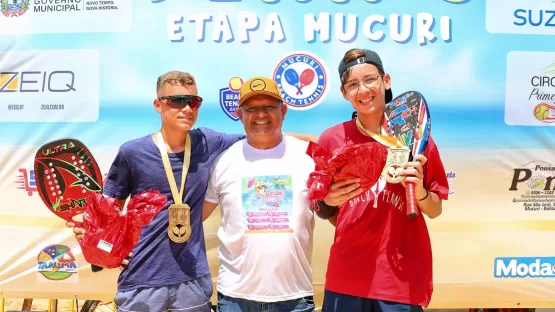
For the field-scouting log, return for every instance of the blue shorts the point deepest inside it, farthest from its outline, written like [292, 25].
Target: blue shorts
[335, 302]
[191, 296]
[229, 304]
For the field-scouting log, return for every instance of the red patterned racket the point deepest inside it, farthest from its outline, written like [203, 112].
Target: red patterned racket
[65, 173]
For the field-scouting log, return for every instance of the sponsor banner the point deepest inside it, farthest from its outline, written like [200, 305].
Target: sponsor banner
[90, 70]
[56, 263]
[302, 79]
[530, 89]
[533, 186]
[520, 17]
[21, 17]
[542, 267]
[56, 86]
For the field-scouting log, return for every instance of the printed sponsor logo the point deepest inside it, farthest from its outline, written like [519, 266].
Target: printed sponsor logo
[520, 267]
[302, 79]
[14, 8]
[451, 176]
[229, 96]
[57, 86]
[25, 180]
[530, 95]
[64, 16]
[56, 263]
[534, 186]
[520, 17]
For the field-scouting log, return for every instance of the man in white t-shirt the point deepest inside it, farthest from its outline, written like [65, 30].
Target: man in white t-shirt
[267, 224]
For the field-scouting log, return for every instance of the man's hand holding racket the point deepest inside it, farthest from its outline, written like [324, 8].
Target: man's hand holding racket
[79, 232]
[413, 171]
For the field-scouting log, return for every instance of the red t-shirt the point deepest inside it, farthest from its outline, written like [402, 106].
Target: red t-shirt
[378, 252]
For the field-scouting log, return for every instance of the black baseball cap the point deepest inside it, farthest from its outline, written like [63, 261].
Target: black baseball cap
[370, 57]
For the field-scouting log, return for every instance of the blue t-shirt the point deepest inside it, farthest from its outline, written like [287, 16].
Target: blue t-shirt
[138, 167]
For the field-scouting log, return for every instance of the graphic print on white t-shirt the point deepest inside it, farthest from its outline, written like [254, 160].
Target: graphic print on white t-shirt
[267, 203]
[270, 261]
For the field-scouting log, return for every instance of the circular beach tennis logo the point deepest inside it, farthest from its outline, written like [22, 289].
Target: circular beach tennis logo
[302, 80]
[229, 96]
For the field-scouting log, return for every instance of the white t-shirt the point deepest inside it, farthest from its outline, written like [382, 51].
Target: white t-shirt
[267, 225]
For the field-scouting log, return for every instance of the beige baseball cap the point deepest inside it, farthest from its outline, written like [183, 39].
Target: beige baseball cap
[259, 85]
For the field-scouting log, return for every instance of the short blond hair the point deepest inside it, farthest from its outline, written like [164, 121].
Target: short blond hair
[175, 78]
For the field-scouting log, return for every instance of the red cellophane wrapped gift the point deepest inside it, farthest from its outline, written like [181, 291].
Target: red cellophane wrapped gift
[365, 161]
[110, 233]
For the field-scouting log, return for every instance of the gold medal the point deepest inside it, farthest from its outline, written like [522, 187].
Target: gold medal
[397, 154]
[179, 229]
[396, 157]
[179, 214]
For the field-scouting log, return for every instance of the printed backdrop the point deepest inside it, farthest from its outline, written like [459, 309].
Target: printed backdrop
[87, 69]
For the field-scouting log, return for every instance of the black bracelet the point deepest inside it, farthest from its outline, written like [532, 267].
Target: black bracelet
[325, 211]
[427, 193]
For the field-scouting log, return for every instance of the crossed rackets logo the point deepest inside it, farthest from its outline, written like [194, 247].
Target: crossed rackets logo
[302, 79]
[292, 77]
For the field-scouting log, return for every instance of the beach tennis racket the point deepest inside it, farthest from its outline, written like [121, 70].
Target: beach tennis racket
[407, 118]
[65, 174]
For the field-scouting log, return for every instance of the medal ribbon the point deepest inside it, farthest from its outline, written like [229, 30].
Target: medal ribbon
[177, 196]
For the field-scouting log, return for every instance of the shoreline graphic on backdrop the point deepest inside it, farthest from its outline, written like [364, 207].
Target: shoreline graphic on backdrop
[268, 203]
[534, 183]
[14, 8]
[56, 263]
[229, 97]
[530, 85]
[302, 79]
[25, 180]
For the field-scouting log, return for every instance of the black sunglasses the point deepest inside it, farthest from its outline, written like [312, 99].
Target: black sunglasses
[193, 101]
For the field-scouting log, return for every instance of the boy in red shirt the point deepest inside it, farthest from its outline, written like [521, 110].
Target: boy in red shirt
[380, 259]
